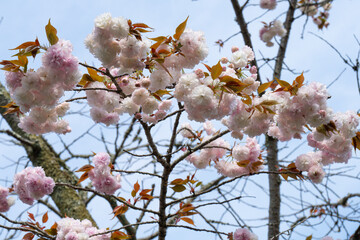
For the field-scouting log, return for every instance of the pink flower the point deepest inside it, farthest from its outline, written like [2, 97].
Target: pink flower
[101, 176]
[244, 234]
[5, 203]
[32, 184]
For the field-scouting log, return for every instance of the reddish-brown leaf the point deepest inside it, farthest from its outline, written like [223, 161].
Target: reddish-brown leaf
[119, 235]
[120, 210]
[31, 216]
[188, 220]
[26, 45]
[145, 192]
[83, 177]
[28, 236]
[146, 197]
[140, 25]
[85, 168]
[136, 187]
[45, 218]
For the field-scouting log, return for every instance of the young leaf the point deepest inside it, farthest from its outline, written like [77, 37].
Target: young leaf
[45, 218]
[283, 84]
[83, 177]
[119, 235]
[120, 210]
[51, 34]
[216, 70]
[188, 220]
[28, 236]
[178, 188]
[177, 181]
[26, 45]
[264, 86]
[85, 168]
[180, 29]
[299, 80]
[136, 187]
[31, 216]
[309, 237]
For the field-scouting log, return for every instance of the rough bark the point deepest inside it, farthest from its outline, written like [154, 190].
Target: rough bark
[40, 153]
[272, 143]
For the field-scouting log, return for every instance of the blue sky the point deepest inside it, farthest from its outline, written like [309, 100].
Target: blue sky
[25, 20]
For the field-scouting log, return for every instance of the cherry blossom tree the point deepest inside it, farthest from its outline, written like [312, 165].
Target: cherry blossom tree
[222, 124]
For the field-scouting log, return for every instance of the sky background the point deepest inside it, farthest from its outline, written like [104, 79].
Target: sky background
[25, 20]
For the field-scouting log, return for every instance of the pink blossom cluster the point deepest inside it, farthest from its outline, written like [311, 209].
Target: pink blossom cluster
[73, 229]
[204, 98]
[101, 176]
[252, 123]
[121, 52]
[111, 43]
[251, 152]
[104, 104]
[5, 202]
[211, 152]
[42, 120]
[193, 50]
[336, 146]
[31, 90]
[308, 106]
[268, 32]
[268, 4]
[333, 146]
[32, 184]
[244, 234]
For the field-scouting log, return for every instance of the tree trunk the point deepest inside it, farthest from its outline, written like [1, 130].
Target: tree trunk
[42, 154]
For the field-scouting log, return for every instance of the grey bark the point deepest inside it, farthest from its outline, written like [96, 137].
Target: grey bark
[40, 153]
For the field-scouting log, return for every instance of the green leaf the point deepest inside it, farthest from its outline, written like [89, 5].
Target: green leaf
[51, 34]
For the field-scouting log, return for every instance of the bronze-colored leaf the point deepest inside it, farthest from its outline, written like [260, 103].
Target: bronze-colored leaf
[177, 181]
[188, 220]
[216, 70]
[180, 29]
[119, 235]
[51, 34]
[136, 187]
[83, 177]
[264, 86]
[26, 45]
[31, 216]
[283, 84]
[45, 218]
[85, 168]
[28, 236]
[178, 188]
